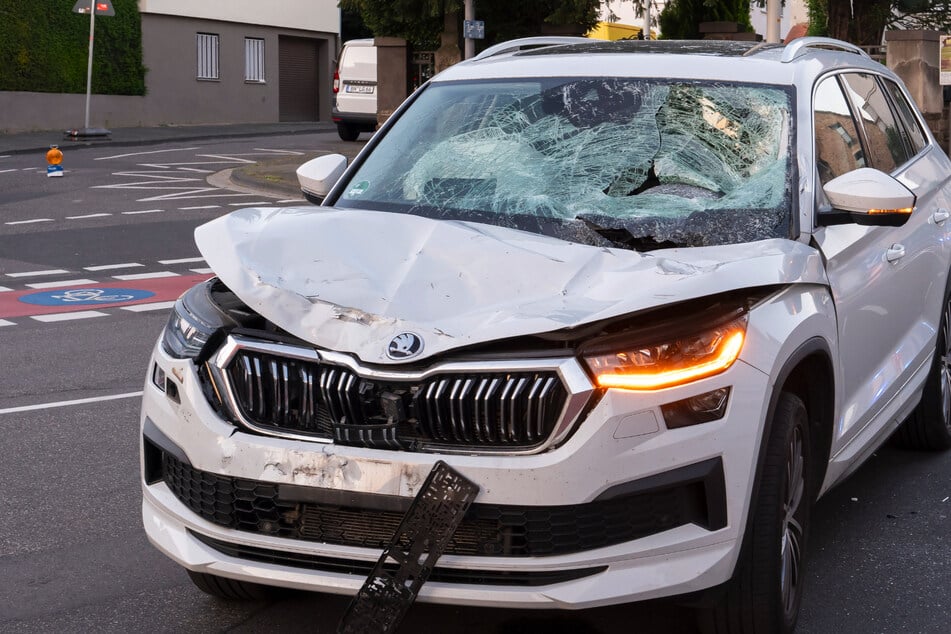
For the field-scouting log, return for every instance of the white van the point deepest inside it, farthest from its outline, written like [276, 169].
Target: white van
[354, 107]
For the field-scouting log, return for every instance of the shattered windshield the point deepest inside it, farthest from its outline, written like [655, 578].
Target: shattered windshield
[624, 162]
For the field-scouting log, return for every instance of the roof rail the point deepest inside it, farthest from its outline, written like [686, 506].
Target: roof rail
[528, 42]
[800, 45]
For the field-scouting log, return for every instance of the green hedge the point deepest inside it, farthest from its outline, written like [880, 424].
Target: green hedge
[44, 47]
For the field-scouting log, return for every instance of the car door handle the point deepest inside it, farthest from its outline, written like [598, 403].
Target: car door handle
[895, 252]
[940, 216]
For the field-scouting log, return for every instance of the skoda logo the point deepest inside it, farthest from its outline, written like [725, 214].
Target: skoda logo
[404, 346]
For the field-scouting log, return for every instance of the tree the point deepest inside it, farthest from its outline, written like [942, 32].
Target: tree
[680, 19]
[421, 21]
[864, 21]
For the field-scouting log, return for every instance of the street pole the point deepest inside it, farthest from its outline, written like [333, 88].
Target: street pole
[470, 43]
[92, 32]
[772, 21]
[647, 20]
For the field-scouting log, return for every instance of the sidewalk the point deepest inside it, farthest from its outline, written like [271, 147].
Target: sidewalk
[277, 176]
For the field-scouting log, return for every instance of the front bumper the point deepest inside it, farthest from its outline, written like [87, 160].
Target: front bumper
[622, 446]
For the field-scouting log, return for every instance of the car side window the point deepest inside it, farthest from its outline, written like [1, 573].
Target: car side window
[886, 142]
[838, 146]
[915, 135]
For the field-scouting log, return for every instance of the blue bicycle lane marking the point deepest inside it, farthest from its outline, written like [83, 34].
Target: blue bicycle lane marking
[85, 296]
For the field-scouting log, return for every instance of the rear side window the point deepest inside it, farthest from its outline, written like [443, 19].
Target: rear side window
[886, 142]
[915, 136]
[838, 145]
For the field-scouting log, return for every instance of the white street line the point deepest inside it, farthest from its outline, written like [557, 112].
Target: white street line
[106, 267]
[4, 289]
[5, 171]
[233, 159]
[60, 283]
[144, 211]
[81, 401]
[6, 156]
[26, 222]
[38, 273]
[290, 152]
[200, 207]
[293, 200]
[100, 215]
[195, 169]
[145, 276]
[83, 314]
[141, 308]
[252, 202]
[181, 261]
[201, 271]
[180, 149]
[28, 169]
[4, 322]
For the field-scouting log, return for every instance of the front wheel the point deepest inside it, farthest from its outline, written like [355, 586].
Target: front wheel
[764, 595]
[929, 426]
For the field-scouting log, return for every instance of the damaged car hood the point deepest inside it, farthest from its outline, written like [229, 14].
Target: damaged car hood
[353, 280]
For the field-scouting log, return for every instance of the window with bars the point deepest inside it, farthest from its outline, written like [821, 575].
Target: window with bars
[207, 44]
[253, 59]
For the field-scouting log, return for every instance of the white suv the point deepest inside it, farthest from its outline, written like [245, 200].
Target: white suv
[651, 298]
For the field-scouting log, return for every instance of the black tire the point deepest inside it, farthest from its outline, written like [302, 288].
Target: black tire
[929, 426]
[348, 131]
[766, 590]
[230, 589]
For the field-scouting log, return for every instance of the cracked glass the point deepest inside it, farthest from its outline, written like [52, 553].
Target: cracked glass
[620, 162]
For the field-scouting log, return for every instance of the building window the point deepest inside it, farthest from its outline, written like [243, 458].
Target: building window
[253, 59]
[207, 56]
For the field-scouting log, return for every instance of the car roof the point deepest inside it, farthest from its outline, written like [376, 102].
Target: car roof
[794, 63]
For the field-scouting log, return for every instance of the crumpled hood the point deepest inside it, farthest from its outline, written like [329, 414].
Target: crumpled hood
[352, 280]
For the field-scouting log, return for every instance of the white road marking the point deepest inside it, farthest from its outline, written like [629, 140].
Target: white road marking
[144, 211]
[290, 152]
[180, 149]
[195, 169]
[181, 261]
[106, 267]
[199, 207]
[189, 194]
[201, 271]
[141, 308]
[252, 202]
[4, 322]
[4, 289]
[145, 276]
[99, 215]
[80, 401]
[83, 314]
[233, 159]
[6, 156]
[26, 222]
[38, 273]
[60, 283]
[5, 171]
[293, 200]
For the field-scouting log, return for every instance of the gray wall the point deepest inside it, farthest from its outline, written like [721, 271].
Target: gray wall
[174, 95]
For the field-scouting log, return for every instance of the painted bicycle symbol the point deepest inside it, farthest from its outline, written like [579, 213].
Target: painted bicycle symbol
[92, 295]
[86, 296]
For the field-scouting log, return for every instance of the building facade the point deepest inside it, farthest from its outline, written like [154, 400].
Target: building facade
[208, 61]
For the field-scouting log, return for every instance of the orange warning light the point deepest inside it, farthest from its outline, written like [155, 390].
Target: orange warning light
[54, 156]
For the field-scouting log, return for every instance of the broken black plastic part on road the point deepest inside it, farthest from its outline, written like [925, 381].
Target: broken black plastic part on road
[419, 541]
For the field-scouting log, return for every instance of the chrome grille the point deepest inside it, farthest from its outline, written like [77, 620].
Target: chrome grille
[287, 390]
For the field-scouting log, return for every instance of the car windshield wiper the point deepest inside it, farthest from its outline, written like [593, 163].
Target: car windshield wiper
[623, 238]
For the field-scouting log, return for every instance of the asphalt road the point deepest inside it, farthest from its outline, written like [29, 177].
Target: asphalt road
[73, 557]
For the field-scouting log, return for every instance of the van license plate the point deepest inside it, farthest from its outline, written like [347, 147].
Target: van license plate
[360, 89]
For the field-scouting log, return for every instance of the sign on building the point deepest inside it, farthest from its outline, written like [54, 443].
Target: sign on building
[944, 55]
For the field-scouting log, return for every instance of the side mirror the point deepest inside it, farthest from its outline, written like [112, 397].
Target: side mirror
[867, 196]
[318, 176]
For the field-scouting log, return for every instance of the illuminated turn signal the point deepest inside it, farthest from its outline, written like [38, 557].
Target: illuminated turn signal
[903, 210]
[722, 348]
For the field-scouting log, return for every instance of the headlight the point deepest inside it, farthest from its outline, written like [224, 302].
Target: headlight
[669, 362]
[194, 319]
